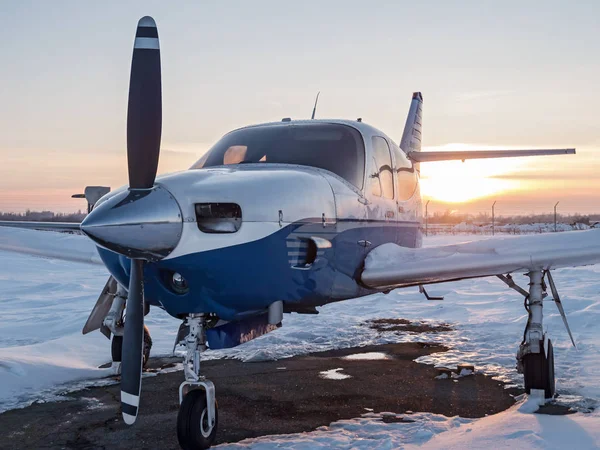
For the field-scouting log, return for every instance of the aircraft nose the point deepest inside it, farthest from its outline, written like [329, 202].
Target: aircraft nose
[137, 223]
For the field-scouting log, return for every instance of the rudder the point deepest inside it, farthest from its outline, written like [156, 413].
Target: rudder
[411, 138]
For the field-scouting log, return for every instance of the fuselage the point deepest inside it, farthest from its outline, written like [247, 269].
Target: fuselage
[303, 231]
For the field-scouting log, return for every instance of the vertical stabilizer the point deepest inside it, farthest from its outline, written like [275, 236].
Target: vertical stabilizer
[411, 138]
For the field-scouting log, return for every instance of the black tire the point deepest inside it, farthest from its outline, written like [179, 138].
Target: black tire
[192, 422]
[116, 347]
[538, 371]
[147, 346]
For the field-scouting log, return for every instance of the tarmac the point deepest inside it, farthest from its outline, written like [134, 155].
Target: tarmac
[258, 399]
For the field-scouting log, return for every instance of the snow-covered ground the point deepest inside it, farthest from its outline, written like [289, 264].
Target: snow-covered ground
[510, 228]
[45, 302]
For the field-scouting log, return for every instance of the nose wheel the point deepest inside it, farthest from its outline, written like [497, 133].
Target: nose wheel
[194, 427]
[198, 419]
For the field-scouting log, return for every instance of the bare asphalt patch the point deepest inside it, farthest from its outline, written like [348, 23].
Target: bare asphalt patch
[257, 399]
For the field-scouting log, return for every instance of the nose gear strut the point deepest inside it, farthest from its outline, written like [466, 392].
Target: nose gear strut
[197, 419]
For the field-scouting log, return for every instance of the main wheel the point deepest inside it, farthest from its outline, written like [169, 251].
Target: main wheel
[538, 370]
[193, 429]
[116, 347]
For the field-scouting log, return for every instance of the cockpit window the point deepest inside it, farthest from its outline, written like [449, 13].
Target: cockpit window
[334, 147]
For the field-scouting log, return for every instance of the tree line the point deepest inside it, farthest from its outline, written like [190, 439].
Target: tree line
[449, 217]
[43, 216]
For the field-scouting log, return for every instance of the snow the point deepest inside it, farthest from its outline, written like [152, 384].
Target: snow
[45, 302]
[516, 428]
[371, 356]
[334, 374]
[510, 228]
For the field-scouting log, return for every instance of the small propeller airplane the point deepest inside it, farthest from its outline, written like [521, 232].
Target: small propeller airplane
[283, 217]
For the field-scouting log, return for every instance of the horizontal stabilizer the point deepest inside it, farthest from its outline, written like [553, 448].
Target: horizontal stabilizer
[483, 154]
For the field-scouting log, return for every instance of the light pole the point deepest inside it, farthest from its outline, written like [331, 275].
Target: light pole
[493, 216]
[555, 230]
[427, 217]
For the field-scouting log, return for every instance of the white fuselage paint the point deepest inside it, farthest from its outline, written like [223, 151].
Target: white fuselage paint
[300, 193]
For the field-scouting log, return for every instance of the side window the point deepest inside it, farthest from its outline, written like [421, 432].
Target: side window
[406, 175]
[383, 178]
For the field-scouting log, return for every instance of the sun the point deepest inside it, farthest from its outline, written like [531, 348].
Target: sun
[459, 182]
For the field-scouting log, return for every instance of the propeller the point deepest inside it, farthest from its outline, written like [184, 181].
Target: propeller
[144, 121]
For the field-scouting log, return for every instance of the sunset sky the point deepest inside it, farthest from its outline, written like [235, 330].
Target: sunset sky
[508, 74]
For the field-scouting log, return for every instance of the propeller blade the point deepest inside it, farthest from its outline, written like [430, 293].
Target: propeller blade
[144, 111]
[133, 342]
[559, 305]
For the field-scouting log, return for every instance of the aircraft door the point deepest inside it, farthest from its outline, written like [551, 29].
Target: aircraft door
[382, 208]
[408, 200]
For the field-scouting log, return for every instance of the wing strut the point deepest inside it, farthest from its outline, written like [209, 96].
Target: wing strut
[559, 305]
[511, 284]
[427, 296]
[508, 279]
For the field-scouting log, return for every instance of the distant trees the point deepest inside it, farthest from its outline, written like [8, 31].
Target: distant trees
[43, 216]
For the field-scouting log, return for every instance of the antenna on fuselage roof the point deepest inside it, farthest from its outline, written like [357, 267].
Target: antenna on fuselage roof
[315, 107]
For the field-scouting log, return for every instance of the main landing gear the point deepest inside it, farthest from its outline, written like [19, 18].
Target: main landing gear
[116, 348]
[535, 358]
[198, 417]
[114, 323]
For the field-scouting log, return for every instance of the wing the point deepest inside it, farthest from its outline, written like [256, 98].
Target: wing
[54, 226]
[390, 265]
[482, 154]
[65, 246]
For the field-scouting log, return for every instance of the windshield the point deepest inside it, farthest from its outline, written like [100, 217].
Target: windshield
[337, 148]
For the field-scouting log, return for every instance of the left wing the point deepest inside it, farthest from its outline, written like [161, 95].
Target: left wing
[390, 265]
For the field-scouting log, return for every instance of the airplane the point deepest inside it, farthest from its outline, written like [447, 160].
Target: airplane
[284, 217]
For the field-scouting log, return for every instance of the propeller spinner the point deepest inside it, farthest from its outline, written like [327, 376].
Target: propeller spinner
[143, 222]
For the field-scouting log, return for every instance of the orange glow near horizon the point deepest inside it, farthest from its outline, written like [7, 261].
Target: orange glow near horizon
[460, 182]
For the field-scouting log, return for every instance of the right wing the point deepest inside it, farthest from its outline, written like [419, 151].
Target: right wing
[390, 265]
[54, 226]
[65, 246]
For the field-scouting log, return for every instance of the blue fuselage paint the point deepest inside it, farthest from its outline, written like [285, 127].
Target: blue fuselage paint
[242, 279]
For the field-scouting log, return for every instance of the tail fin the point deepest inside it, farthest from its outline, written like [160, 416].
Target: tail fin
[411, 138]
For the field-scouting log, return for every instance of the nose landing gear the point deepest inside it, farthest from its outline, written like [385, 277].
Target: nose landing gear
[197, 420]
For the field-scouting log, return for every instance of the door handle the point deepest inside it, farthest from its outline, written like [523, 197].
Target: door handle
[364, 243]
